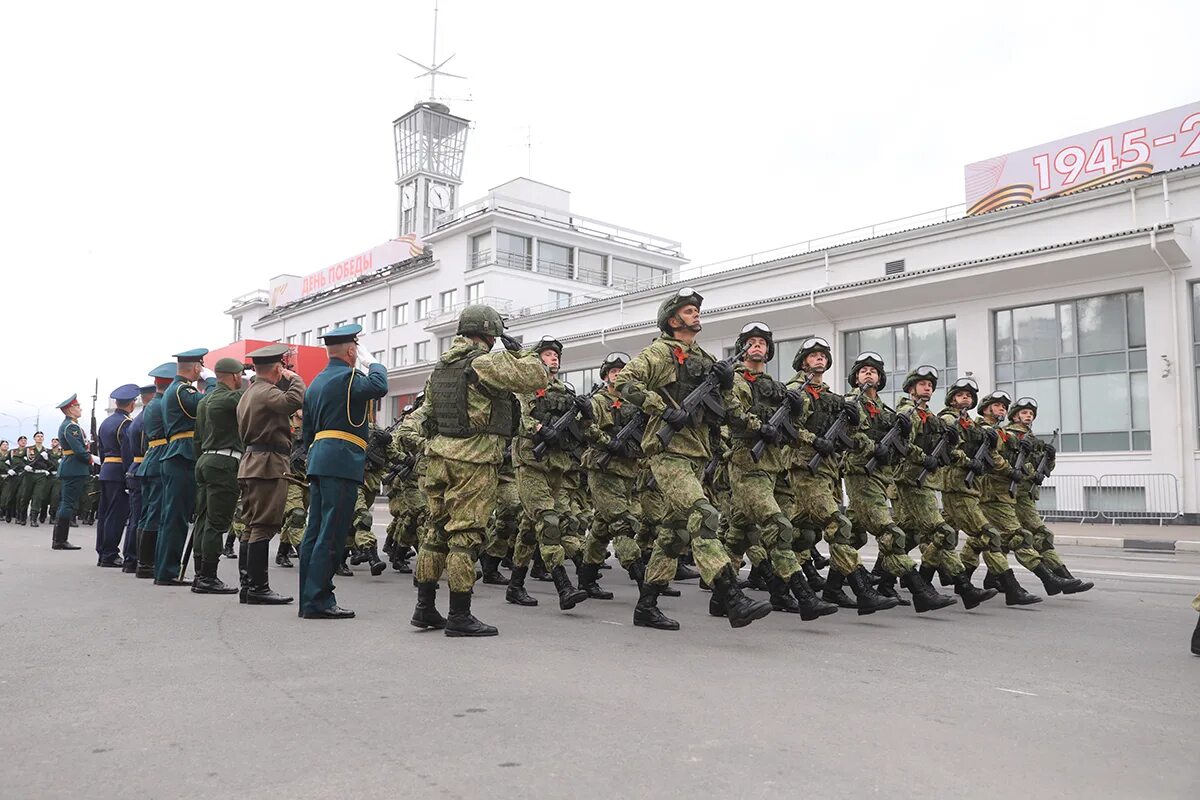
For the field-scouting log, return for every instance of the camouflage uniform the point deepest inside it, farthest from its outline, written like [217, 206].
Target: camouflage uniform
[406, 501]
[295, 508]
[869, 494]
[960, 504]
[612, 486]
[504, 525]
[917, 506]
[999, 506]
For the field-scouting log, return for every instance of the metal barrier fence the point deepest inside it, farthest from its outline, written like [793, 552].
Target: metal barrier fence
[1148, 496]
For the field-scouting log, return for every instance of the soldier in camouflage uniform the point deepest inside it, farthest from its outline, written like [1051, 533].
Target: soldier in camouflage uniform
[295, 508]
[1020, 423]
[470, 395]
[757, 525]
[366, 546]
[541, 482]
[817, 493]
[407, 502]
[919, 475]
[960, 501]
[503, 527]
[657, 380]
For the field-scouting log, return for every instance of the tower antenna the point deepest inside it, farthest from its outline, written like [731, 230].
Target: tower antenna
[433, 68]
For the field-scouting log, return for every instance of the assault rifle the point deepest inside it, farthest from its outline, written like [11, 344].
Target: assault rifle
[782, 420]
[896, 440]
[1043, 468]
[1023, 452]
[566, 423]
[704, 395]
[983, 457]
[630, 431]
[714, 463]
[402, 469]
[837, 434]
[941, 453]
[94, 442]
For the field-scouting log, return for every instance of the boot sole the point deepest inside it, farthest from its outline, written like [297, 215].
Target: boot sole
[465, 635]
[530, 603]
[1033, 600]
[378, 569]
[572, 600]
[427, 625]
[655, 627]
[214, 591]
[757, 613]
[1080, 590]
[809, 616]
[937, 607]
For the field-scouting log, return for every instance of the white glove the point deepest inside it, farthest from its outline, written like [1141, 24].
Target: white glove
[364, 363]
[95, 459]
[28, 468]
[12, 472]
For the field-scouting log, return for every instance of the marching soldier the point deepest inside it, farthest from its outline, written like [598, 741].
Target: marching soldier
[73, 470]
[295, 509]
[7, 474]
[264, 425]
[1020, 422]
[35, 491]
[154, 439]
[178, 466]
[366, 545]
[336, 408]
[757, 525]
[114, 453]
[657, 380]
[474, 412]
[14, 485]
[135, 444]
[409, 441]
[216, 473]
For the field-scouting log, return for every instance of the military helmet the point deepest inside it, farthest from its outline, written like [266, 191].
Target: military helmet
[813, 344]
[419, 400]
[868, 359]
[963, 385]
[480, 320]
[925, 372]
[687, 296]
[613, 360]
[1022, 402]
[548, 343]
[995, 396]
[760, 329]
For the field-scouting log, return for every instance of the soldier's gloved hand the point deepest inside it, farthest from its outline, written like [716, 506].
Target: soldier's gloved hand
[795, 399]
[584, 406]
[28, 468]
[723, 372]
[952, 436]
[976, 466]
[546, 435]
[631, 449]
[1051, 450]
[930, 463]
[364, 363]
[1038, 478]
[824, 446]
[882, 454]
[770, 432]
[510, 344]
[851, 412]
[677, 418]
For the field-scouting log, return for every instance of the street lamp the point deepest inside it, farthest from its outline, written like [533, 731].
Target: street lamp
[20, 421]
[37, 422]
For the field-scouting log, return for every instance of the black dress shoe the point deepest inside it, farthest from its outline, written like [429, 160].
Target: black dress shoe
[171, 582]
[112, 561]
[130, 567]
[64, 546]
[335, 612]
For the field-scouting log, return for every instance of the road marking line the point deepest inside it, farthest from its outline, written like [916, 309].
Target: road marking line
[610, 622]
[1157, 576]
[1015, 691]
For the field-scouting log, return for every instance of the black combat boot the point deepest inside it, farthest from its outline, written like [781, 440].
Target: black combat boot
[685, 571]
[819, 561]
[401, 564]
[58, 539]
[568, 595]
[74, 522]
[358, 555]
[1014, 594]
[927, 572]
[667, 590]
[377, 564]
[833, 592]
[243, 570]
[426, 615]
[781, 597]
[878, 573]
[887, 587]
[206, 581]
[492, 575]
[869, 600]
[516, 593]
[588, 575]
[992, 581]
[20, 517]
[461, 622]
[646, 613]
[1066, 575]
[1052, 583]
[230, 536]
[811, 606]
[757, 578]
[259, 592]
[283, 555]
[740, 609]
[637, 571]
[812, 575]
[716, 605]
[33, 520]
[147, 541]
[945, 578]
[925, 598]
[971, 596]
[1196, 639]
[343, 569]
[538, 571]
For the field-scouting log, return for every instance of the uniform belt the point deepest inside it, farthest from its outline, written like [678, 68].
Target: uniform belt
[68, 452]
[184, 435]
[41, 472]
[278, 449]
[138, 459]
[155, 443]
[112, 459]
[345, 437]
[228, 451]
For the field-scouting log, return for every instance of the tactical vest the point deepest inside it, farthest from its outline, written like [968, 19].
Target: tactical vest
[880, 423]
[1010, 446]
[621, 414]
[928, 433]
[825, 409]
[448, 387]
[972, 438]
[551, 405]
[688, 375]
[767, 394]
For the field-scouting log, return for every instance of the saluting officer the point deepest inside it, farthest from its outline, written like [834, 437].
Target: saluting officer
[114, 502]
[178, 465]
[73, 470]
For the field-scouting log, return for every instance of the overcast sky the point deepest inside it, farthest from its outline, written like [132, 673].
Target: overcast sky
[159, 159]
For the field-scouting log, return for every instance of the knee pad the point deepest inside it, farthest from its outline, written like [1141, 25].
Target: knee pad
[527, 534]
[1021, 539]
[803, 539]
[297, 518]
[950, 534]
[704, 520]
[674, 541]
[550, 526]
[783, 529]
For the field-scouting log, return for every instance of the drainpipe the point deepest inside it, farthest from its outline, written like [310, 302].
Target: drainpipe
[1166, 202]
[828, 274]
[1174, 346]
[1133, 205]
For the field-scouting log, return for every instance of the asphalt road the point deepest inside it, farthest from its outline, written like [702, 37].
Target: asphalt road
[110, 687]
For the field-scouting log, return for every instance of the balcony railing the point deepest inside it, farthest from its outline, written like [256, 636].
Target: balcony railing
[554, 269]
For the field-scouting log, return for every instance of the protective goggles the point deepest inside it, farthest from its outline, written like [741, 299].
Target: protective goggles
[688, 293]
[761, 327]
[1026, 402]
[814, 343]
[965, 384]
[548, 342]
[998, 396]
[868, 356]
[616, 358]
[926, 372]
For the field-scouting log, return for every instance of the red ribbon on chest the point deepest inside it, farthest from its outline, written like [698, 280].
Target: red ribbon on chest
[680, 356]
[540, 393]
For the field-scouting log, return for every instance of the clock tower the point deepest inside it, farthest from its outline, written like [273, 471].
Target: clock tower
[430, 142]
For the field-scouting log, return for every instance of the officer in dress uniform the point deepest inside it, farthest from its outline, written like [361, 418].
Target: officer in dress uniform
[73, 470]
[335, 431]
[150, 473]
[115, 459]
[178, 465]
[134, 443]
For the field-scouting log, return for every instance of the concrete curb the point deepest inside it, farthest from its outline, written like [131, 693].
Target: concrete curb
[1129, 544]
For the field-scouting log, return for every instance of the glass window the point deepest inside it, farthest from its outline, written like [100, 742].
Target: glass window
[400, 356]
[321, 331]
[339, 323]
[305, 337]
[379, 320]
[422, 307]
[448, 299]
[377, 356]
[291, 339]
[1098, 399]
[237, 328]
[554, 259]
[514, 251]
[581, 379]
[630, 276]
[400, 314]
[361, 320]
[421, 351]
[444, 343]
[474, 292]
[559, 299]
[593, 268]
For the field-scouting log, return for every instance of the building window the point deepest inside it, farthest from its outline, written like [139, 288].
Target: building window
[448, 299]
[421, 351]
[400, 356]
[379, 320]
[593, 268]
[444, 344]
[290, 339]
[559, 299]
[237, 329]
[305, 337]
[1085, 362]
[377, 356]
[630, 276]
[474, 292]
[514, 251]
[400, 314]
[422, 308]
[399, 401]
[321, 331]
[339, 323]
[554, 259]
[933, 342]
[361, 321]
[481, 250]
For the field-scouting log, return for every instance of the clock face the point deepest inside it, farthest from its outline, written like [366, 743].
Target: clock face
[439, 197]
[408, 197]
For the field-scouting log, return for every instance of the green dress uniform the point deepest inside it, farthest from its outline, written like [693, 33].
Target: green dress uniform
[73, 470]
[178, 465]
[35, 491]
[8, 478]
[154, 441]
